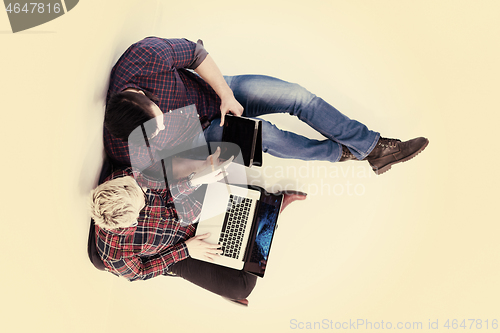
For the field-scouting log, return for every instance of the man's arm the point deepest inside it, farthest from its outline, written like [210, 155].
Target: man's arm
[209, 72]
[182, 53]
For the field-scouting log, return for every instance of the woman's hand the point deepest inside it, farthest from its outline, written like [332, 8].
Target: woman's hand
[199, 249]
[213, 170]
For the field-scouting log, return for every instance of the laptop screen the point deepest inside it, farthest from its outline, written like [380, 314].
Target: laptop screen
[267, 217]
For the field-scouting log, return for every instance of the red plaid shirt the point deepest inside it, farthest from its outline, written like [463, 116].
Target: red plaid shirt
[156, 243]
[162, 67]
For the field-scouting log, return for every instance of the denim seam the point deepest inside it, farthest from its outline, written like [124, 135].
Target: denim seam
[377, 137]
[340, 151]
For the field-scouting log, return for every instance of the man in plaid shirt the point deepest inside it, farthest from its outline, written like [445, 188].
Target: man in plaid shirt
[176, 73]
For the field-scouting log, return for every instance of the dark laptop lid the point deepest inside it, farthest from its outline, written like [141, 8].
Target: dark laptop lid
[265, 224]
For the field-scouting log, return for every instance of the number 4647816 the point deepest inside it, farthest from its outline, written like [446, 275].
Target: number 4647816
[35, 8]
[472, 323]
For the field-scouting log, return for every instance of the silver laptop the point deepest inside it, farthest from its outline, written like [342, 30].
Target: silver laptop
[243, 221]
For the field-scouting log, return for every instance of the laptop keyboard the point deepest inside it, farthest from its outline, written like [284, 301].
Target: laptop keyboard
[235, 222]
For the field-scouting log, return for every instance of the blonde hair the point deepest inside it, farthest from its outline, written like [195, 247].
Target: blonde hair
[115, 203]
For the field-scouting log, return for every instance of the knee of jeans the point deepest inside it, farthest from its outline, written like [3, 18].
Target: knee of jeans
[302, 98]
[270, 135]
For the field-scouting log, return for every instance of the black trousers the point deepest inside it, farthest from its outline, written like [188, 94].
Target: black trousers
[223, 281]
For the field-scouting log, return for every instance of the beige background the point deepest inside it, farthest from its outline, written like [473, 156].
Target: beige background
[416, 244]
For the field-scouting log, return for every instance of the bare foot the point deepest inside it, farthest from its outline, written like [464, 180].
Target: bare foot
[291, 196]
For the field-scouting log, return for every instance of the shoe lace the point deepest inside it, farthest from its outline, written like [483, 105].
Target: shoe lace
[388, 143]
[346, 152]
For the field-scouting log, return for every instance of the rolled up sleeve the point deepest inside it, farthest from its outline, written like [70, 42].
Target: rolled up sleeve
[199, 55]
[175, 53]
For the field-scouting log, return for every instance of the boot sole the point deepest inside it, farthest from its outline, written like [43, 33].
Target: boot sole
[385, 168]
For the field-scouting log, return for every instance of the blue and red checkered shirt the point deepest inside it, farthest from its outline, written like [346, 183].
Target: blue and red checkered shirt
[163, 67]
[156, 243]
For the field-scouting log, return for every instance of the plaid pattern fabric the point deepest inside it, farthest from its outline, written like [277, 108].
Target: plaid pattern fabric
[148, 159]
[162, 67]
[188, 209]
[156, 243]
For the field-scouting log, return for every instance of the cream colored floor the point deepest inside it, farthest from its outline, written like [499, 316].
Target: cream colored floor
[418, 244]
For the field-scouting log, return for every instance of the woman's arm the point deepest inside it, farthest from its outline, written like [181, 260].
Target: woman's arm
[205, 172]
[140, 268]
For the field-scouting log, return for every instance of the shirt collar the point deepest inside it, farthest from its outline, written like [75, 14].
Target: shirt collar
[123, 231]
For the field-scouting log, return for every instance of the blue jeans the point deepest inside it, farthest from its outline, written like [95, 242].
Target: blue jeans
[259, 95]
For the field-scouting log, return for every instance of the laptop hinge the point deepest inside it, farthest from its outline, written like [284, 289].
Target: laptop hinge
[253, 234]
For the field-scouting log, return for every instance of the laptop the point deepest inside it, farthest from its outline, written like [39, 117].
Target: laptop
[243, 221]
[246, 136]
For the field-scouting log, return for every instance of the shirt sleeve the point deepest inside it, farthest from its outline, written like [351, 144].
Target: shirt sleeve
[199, 55]
[188, 210]
[142, 268]
[179, 190]
[176, 53]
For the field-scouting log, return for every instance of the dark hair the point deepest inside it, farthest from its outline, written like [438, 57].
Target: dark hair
[127, 110]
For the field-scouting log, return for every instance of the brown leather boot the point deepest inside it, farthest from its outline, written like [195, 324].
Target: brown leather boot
[388, 152]
[347, 155]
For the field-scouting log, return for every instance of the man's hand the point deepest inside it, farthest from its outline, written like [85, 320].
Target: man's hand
[209, 72]
[199, 249]
[230, 104]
